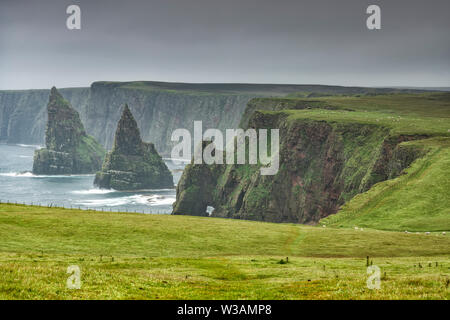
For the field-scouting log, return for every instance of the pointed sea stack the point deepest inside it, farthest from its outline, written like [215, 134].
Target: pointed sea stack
[68, 149]
[132, 164]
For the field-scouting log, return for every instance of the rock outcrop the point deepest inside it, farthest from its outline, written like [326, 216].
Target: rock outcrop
[132, 164]
[323, 164]
[69, 150]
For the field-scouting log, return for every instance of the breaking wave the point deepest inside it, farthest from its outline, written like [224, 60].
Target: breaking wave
[29, 146]
[28, 174]
[153, 200]
[93, 191]
[17, 174]
[158, 200]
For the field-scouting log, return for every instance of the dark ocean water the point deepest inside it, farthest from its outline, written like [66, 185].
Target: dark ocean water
[18, 184]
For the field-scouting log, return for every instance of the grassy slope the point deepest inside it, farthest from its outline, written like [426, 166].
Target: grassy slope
[160, 256]
[415, 201]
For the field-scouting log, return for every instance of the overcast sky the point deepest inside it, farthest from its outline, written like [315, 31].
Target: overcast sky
[257, 41]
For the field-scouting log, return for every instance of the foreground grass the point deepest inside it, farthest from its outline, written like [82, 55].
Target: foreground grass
[44, 276]
[137, 256]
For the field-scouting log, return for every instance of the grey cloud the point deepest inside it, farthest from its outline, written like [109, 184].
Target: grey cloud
[284, 41]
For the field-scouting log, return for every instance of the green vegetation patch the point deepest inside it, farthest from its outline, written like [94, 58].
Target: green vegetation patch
[415, 201]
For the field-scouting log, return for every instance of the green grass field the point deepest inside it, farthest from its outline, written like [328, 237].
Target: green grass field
[136, 256]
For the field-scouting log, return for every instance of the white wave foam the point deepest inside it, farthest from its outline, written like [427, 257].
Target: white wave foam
[25, 156]
[112, 202]
[158, 200]
[153, 200]
[93, 191]
[29, 146]
[29, 174]
[17, 174]
[177, 159]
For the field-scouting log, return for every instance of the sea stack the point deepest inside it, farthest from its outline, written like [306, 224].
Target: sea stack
[132, 164]
[68, 149]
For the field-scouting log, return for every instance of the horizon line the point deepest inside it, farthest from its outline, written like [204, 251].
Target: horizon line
[438, 88]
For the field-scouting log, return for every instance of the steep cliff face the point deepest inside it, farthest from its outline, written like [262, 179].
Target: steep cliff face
[132, 164]
[159, 107]
[68, 148]
[23, 113]
[160, 112]
[323, 164]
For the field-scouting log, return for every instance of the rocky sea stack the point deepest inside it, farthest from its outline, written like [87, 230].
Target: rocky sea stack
[69, 150]
[132, 164]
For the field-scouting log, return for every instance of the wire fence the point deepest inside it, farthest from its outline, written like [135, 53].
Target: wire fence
[84, 208]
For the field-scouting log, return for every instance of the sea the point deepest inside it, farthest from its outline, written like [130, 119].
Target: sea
[19, 185]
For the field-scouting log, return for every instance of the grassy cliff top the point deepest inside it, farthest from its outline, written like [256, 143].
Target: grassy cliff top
[399, 125]
[411, 114]
[429, 104]
[248, 88]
